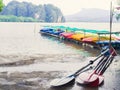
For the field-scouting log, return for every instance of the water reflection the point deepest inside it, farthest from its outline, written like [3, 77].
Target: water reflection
[79, 48]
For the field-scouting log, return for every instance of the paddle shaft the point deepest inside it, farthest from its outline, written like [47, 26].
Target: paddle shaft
[105, 68]
[106, 64]
[91, 62]
[100, 64]
[106, 60]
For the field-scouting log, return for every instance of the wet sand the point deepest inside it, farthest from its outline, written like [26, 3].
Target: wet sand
[13, 75]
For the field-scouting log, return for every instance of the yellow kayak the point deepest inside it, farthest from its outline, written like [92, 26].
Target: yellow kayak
[79, 36]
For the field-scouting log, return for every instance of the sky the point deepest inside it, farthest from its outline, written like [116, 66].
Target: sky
[69, 7]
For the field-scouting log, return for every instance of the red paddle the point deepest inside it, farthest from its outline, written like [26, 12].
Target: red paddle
[95, 78]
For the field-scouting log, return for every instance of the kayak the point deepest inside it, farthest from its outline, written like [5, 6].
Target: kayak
[51, 31]
[79, 36]
[55, 32]
[116, 37]
[114, 43]
[95, 39]
[46, 30]
[67, 35]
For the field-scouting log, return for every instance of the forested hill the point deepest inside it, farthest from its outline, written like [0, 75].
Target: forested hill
[42, 13]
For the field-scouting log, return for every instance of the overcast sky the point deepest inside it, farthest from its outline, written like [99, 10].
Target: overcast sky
[71, 6]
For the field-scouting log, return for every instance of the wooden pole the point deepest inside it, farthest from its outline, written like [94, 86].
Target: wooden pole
[111, 19]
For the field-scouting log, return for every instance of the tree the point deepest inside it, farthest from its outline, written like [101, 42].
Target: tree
[43, 13]
[1, 5]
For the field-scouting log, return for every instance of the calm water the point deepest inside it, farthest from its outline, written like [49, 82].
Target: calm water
[20, 42]
[23, 38]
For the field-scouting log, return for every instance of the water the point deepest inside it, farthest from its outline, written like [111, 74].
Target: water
[25, 39]
[27, 57]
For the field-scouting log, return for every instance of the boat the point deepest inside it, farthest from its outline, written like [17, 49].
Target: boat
[79, 36]
[114, 43]
[116, 37]
[45, 30]
[66, 35]
[51, 32]
[95, 39]
[56, 32]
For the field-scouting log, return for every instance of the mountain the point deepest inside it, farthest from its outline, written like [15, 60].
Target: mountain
[43, 13]
[90, 15]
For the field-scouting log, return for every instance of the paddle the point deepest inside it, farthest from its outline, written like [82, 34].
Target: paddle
[92, 78]
[69, 78]
[95, 78]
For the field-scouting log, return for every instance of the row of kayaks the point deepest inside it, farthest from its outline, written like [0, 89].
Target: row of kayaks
[83, 36]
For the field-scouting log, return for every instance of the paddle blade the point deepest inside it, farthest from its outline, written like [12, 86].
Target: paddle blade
[62, 81]
[89, 80]
[101, 79]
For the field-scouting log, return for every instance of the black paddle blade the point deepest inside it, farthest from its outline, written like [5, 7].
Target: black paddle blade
[62, 81]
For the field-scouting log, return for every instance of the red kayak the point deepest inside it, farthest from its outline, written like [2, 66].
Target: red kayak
[66, 35]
